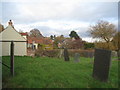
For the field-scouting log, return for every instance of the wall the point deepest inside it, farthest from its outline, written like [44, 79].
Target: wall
[19, 48]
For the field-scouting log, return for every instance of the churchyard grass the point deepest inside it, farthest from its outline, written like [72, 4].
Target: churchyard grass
[46, 72]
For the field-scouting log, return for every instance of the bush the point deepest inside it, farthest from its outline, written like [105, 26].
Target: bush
[56, 53]
[89, 45]
[48, 53]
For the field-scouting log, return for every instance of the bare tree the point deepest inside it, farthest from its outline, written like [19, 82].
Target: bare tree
[103, 30]
[35, 33]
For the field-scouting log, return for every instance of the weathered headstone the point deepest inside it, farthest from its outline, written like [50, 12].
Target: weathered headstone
[89, 54]
[101, 66]
[66, 55]
[77, 57]
[60, 53]
[114, 54]
[85, 54]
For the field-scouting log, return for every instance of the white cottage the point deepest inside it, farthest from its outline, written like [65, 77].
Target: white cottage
[20, 48]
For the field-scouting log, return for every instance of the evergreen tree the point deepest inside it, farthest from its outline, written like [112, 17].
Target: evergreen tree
[73, 34]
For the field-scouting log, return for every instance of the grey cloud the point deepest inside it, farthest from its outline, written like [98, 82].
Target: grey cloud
[95, 11]
[9, 11]
[82, 12]
[47, 31]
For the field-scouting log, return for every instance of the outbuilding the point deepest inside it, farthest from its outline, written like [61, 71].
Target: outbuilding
[10, 34]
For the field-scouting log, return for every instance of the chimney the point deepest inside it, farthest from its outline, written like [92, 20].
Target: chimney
[10, 23]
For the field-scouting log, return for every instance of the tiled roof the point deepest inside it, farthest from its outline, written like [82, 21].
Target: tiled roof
[24, 34]
[39, 40]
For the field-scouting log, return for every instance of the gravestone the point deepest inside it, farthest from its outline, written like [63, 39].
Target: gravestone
[91, 54]
[77, 57]
[101, 66]
[114, 54]
[66, 55]
[60, 53]
[85, 54]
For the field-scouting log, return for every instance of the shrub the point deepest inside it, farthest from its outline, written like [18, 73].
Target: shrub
[48, 53]
[56, 53]
[89, 45]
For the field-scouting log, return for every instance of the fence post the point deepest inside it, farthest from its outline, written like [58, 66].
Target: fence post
[12, 59]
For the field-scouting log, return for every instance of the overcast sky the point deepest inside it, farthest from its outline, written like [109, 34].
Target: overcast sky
[58, 17]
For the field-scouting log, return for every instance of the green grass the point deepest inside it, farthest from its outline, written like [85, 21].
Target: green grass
[45, 72]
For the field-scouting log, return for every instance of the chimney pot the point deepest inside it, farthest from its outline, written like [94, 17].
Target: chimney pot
[10, 22]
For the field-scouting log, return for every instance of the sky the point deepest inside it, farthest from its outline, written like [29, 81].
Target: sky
[58, 17]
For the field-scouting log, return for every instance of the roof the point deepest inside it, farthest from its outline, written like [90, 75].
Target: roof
[11, 34]
[39, 40]
[24, 34]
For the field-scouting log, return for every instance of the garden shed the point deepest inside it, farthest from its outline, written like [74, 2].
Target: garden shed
[10, 34]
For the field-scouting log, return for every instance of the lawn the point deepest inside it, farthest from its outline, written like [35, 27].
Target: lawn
[45, 72]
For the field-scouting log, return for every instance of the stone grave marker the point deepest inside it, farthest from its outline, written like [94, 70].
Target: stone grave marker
[60, 53]
[114, 54]
[102, 60]
[91, 54]
[77, 57]
[66, 55]
[85, 54]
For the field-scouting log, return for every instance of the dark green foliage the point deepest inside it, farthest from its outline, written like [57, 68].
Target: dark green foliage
[51, 37]
[73, 34]
[89, 45]
[54, 36]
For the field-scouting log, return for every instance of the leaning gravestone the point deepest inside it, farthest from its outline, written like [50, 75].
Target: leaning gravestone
[77, 57]
[66, 55]
[101, 66]
[60, 53]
